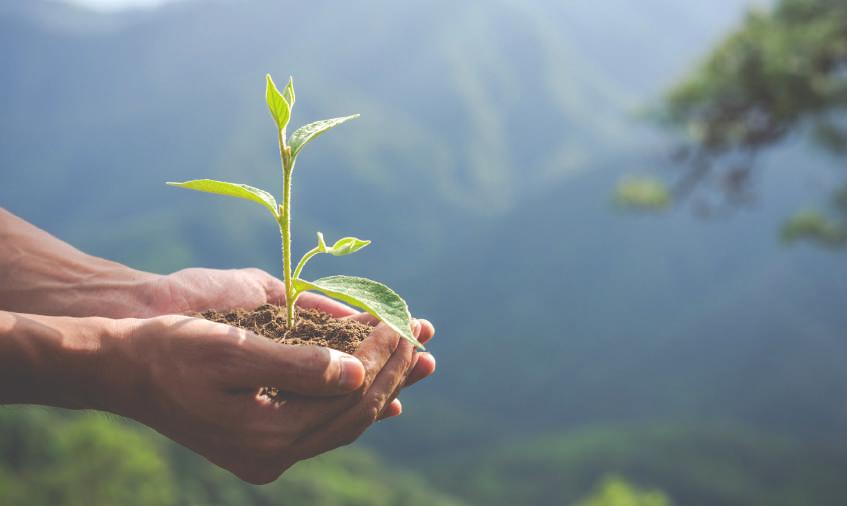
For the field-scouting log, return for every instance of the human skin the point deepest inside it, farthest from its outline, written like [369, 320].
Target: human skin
[108, 337]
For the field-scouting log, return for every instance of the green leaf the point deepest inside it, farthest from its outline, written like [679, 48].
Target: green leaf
[306, 133]
[288, 93]
[277, 104]
[345, 246]
[241, 191]
[375, 298]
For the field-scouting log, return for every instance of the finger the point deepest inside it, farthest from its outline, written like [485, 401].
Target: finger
[349, 425]
[388, 410]
[373, 353]
[412, 365]
[366, 318]
[427, 331]
[274, 287]
[423, 368]
[332, 307]
[376, 351]
[307, 370]
[394, 408]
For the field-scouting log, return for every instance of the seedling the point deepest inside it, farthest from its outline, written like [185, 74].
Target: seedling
[371, 296]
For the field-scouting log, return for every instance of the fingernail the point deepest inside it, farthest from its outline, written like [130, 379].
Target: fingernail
[352, 371]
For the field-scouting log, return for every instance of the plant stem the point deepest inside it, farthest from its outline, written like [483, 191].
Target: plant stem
[285, 228]
[302, 263]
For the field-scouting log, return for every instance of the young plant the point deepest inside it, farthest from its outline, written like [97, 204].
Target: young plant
[371, 296]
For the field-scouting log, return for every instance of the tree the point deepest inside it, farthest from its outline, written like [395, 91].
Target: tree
[783, 72]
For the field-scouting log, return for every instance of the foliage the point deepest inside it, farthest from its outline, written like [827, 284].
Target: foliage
[814, 226]
[642, 193]
[56, 458]
[86, 460]
[375, 298]
[782, 68]
[781, 72]
[695, 464]
[615, 491]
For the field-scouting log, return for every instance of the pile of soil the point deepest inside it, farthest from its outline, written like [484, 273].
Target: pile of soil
[312, 327]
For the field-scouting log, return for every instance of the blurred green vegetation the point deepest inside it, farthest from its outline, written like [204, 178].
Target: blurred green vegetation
[814, 226]
[57, 458]
[615, 491]
[642, 193]
[781, 72]
[783, 69]
[696, 464]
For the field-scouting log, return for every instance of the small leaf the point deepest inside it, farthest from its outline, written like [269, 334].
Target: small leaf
[277, 104]
[288, 93]
[375, 298]
[241, 191]
[346, 245]
[306, 133]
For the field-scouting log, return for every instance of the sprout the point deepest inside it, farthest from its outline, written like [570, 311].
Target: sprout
[371, 296]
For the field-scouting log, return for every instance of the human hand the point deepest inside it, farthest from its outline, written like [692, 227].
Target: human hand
[196, 382]
[40, 274]
[199, 289]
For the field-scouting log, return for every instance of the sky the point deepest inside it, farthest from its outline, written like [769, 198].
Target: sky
[111, 5]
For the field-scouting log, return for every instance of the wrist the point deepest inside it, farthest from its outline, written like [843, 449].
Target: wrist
[114, 291]
[54, 361]
[120, 377]
[43, 275]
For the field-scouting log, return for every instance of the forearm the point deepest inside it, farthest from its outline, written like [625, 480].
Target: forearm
[58, 361]
[41, 274]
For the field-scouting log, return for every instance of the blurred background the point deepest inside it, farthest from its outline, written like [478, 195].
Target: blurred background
[626, 220]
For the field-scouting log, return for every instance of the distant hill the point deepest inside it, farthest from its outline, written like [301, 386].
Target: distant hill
[700, 465]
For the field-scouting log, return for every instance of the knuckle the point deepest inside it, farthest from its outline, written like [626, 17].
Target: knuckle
[407, 362]
[255, 271]
[317, 362]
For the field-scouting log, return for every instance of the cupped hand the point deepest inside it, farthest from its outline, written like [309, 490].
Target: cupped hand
[199, 289]
[423, 363]
[196, 382]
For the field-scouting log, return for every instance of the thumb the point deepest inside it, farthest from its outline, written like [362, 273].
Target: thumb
[303, 369]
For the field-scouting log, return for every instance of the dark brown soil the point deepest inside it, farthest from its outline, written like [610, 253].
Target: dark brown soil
[313, 326]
